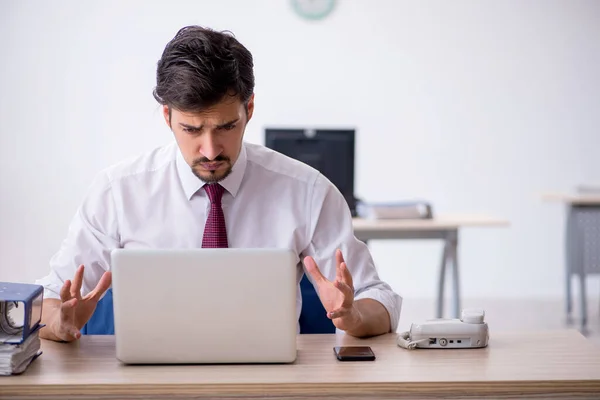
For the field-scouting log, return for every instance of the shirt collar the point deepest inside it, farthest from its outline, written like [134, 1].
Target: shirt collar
[191, 183]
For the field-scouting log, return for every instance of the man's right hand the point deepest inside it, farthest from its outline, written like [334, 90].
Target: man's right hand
[65, 317]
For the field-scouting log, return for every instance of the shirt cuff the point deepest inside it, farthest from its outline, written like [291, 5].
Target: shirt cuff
[51, 290]
[390, 300]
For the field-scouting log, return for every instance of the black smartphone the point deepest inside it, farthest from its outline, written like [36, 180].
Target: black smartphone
[354, 353]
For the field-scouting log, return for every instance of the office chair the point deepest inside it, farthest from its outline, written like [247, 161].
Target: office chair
[102, 321]
[313, 317]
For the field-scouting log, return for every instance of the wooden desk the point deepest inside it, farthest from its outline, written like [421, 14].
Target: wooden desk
[561, 364]
[441, 227]
[582, 239]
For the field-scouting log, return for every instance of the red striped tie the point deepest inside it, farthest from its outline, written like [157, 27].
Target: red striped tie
[215, 232]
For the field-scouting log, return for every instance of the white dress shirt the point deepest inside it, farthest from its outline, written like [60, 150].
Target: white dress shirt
[271, 200]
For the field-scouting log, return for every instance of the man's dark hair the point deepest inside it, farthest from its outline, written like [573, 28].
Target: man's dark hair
[199, 67]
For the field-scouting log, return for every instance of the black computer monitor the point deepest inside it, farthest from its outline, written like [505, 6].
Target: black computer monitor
[330, 151]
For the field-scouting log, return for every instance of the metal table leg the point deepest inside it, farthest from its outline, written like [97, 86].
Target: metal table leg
[441, 282]
[582, 293]
[449, 255]
[580, 239]
[577, 215]
[569, 261]
[453, 240]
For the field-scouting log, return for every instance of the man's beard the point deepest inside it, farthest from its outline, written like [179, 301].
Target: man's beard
[212, 176]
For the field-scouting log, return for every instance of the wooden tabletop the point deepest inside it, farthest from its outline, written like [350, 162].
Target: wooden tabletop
[454, 221]
[523, 364]
[575, 199]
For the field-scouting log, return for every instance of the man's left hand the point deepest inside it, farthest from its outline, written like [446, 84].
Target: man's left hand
[337, 296]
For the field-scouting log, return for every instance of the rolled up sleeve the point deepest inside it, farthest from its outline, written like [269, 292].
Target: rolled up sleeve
[331, 228]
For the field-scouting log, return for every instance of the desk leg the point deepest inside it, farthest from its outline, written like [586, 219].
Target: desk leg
[583, 326]
[577, 224]
[450, 254]
[453, 244]
[569, 261]
[441, 282]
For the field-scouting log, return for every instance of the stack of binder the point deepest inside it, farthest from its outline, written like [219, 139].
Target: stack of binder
[20, 323]
[397, 210]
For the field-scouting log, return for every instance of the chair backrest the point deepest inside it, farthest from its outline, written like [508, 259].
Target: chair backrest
[102, 321]
[313, 317]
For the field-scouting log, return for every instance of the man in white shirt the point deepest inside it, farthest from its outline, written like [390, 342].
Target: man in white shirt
[211, 189]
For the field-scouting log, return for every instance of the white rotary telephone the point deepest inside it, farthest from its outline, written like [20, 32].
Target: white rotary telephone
[470, 331]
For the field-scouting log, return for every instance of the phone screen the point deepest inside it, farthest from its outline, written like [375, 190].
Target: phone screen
[354, 353]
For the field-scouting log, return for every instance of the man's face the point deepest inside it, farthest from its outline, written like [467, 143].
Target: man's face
[210, 141]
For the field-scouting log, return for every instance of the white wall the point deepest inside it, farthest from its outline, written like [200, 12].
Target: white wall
[477, 106]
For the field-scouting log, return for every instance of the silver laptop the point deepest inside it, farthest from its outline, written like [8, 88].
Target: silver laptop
[204, 305]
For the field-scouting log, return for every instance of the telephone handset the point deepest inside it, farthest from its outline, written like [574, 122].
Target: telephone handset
[470, 331]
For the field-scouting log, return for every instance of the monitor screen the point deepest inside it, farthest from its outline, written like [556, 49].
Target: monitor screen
[330, 151]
